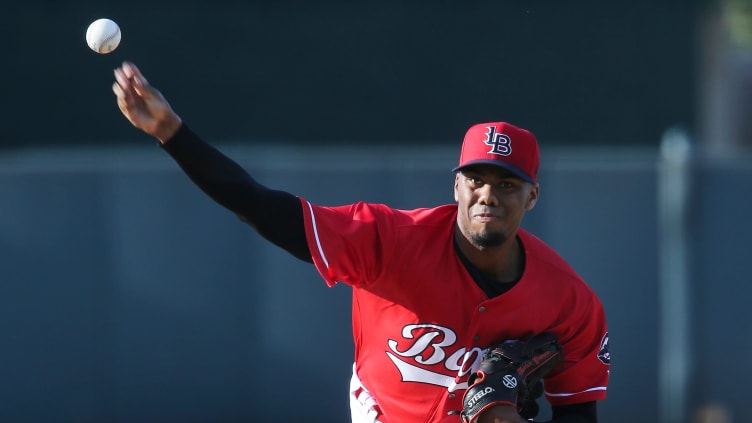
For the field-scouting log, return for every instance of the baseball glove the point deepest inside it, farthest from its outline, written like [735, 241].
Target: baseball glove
[510, 374]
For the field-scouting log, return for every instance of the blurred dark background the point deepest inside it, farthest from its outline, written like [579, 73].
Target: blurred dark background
[358, 72]
[128, 295]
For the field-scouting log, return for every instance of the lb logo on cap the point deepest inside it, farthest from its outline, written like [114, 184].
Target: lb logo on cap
[500, 143]
[511, 147]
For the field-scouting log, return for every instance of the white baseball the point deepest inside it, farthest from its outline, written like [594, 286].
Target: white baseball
[103, 35]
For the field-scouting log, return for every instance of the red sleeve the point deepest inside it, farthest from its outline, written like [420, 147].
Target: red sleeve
[349, 243]
[584, 376]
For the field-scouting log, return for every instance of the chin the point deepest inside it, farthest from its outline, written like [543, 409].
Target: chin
[488, 240]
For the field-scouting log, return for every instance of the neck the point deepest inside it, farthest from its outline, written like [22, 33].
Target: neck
[504, 262]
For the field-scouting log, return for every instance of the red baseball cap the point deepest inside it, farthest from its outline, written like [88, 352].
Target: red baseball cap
[501, 144]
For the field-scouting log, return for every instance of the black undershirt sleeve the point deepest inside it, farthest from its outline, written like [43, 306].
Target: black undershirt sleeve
[276, 215]
[585, 412]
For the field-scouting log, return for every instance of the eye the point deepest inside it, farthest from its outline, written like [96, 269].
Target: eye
[474, 180]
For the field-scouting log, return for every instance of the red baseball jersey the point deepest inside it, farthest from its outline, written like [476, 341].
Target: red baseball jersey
[421, 324]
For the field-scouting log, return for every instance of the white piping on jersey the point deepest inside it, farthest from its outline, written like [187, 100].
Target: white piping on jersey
[316, 235]
[363, 407]
[569, 394]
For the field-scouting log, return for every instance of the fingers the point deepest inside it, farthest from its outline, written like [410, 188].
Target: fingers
[132, 71]
[123, 89]
[122, 80]
[129, 100]
[132, 88]
[133, 74]
[131, 81]
[119, 95]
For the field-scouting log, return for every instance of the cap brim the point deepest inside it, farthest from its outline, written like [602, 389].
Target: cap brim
[514, 169]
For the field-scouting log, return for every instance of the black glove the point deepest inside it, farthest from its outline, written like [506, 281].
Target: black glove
[510, 374]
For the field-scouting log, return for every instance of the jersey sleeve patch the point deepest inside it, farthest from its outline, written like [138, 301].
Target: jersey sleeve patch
[603, 354]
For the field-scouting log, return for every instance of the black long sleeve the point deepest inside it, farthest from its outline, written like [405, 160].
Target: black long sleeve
[585, 412]
[276, 215]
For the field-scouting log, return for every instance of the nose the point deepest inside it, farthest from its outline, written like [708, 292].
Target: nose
[486, 196]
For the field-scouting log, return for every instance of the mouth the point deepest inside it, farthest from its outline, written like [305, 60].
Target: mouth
[485, 217]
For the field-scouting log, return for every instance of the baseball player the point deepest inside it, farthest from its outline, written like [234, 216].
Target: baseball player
[458, 313]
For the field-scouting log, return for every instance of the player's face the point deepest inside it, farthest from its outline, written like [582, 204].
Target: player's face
[492, 203]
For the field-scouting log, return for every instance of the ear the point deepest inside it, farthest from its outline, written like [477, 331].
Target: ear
[456, 187]
[532, 196]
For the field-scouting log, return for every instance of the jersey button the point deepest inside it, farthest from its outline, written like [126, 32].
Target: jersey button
[476, 338]
[481, 309]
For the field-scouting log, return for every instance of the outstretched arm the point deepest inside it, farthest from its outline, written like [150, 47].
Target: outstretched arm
[276, 215]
